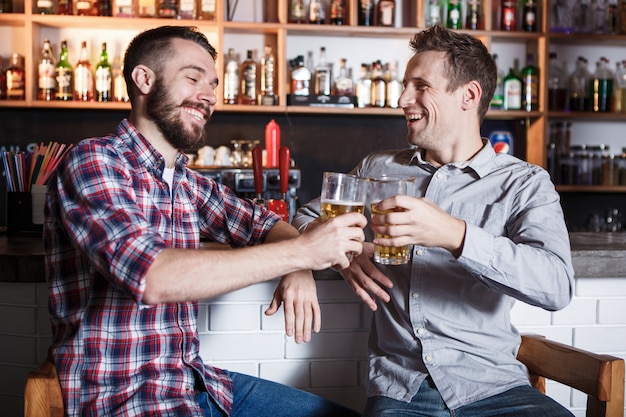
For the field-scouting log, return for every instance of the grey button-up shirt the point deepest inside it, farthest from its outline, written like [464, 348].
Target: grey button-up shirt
[448, 317]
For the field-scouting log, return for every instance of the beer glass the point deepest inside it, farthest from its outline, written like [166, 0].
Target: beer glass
[379, 189]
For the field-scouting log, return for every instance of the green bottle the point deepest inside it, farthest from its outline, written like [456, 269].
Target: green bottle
[454, 15]
[64, 74]
[530, 84]
[512, 91]
[497, 102]
[103, 76]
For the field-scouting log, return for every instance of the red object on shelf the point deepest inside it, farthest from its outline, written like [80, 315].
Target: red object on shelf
[272, 144]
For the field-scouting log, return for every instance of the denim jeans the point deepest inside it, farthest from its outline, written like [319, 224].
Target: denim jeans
[255, 397]
[524, 401]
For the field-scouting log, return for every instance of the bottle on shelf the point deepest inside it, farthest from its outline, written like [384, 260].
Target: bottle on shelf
[64, 75]
[337, 12]
[146, 8]
[582, 16]
[120, 92]
[497, 101]
[248, 78]
[508, 17]
[561, 17]
[579, 86]
[453, 18]
[125, 8]
[6, 6]
[612, 18]
[529, 16]
[46, 81]
[85, 8]
[317, 12]
[186, 9]
[530, 84]
[167, 9]
[601, 87]
[620, 87]
[104, 8]
[323, 75]
[103, 78]
[379, 86]
[65, 7]
[433, 13]
[557, 84]
[3, 83]
[474, 15]
[231, 77]
[599, 16]
[394, 85]
[366, 13]
[344, 84]
[16, 78]
[386, 13]
[363, 88]
[621, 17]
[83, 76]
[206, 10]
[45, 7]
[298, 11]
[268, 77]
[300, 77]
[512, 86]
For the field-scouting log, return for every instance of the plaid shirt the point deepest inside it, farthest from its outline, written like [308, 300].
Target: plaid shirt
[108, 216]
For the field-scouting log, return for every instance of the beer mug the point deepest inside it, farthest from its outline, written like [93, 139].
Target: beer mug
[342, 193]
[379, 189]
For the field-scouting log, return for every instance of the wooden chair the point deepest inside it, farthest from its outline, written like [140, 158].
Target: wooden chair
[601, 377]
[42, 395]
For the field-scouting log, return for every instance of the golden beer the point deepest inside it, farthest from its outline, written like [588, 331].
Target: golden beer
[389, 255]
[334, 208]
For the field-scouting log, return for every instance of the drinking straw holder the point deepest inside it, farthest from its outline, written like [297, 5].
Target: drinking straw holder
[25, 212]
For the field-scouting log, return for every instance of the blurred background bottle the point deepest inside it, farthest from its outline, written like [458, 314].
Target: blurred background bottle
[386, 13]
[582, 16]
[579, 85]
[529, 16]
[231, 77]
[366, 12]
[433, 13]
[298, 11]
[557, 84]
[363, 87]
[167, 8]
[337, 12]
[601, 87]
[512, 87]
[83, 76]
[120, 92]
[453, 18]
[530, 84]
[620, 87]
[46, 7]
[474, 15]
[64, 75]
[103, 77]
[146, 8]
[323, 74]
[268, 77]
[125, 8]
[344, 84]
[186, 9]
[508, 19]
[16, 78]
[248, 79]
[46, 89]
[105, 8]
[206, 9]
[317, 12]
[560, 17]
[497, 100]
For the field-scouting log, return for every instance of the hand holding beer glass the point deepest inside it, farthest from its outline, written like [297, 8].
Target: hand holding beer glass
[379, 189]
[342, 193]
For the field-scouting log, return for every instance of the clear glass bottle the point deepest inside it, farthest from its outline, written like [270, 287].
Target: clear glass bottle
[103, 78]
[300, 77]
[497, 101]
[581, 13]
[337, 12]
[344, 84]
[363, 87]
[46, 6]
[323, 74]
[621, 17]
[394, 85]
[386, 13]
[231, 77]
[248, 78]
[83, 76]
[474, 15]
[557, 84]
[366, 12]
[16, 78]
[206, 10]
[601, 87]
[599, 10]
[298, 10]
[379, 86]
[125, 8]
[620, 87]
[579, 86]
[433, 13]
[146, 8]
[120, 92]
[268, 77]
[46, 80]
[453, 18]
[64, 74]
[186, 9]
[612, 16]
[317, 12]
[560, 17]
[84, 8]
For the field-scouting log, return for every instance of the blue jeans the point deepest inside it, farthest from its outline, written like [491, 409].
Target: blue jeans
[524, 401]
[255, 397]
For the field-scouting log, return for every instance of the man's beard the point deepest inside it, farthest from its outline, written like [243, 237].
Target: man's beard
[166, 114]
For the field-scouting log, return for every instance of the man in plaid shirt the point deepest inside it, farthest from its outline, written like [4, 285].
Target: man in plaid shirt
[124, 219]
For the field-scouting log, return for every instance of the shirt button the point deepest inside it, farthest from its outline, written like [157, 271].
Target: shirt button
[421, 331]
[419, 252]
[428, 358]
[187, 387]
[439, 175]
[415, 295]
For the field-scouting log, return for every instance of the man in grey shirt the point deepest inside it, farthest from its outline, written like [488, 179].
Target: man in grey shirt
[487, 230]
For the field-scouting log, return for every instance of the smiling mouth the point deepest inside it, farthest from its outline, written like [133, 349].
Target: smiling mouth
[414, 117]
[195, 113]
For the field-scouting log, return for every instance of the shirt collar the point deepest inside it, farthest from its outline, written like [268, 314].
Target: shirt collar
[480, 163]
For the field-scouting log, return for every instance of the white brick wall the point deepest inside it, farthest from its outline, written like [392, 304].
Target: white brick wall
[237, 335]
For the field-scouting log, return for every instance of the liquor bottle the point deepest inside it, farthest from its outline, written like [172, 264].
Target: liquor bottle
[298, 11]
[125, 8]
[561, 17]
[433, 13]
[530, 84]
[394, 85]
[6, 6]
[231, 78]
[120, 92]
[45, 6]
[3, 83]
[104, 7]
[612, 18]
[83, 76]
[186, 9]
[621, 17]
[337, 12]
[268, 77]
[167, 9]
[582, 16]
[206, 9]
[248, 77]
[508, 20]
[579, 86]
[46, 80]
[529, 15]
[317, 12]
[497, 100]
[84, 8]
[300, 77]
[64, 75]
[453, 20]
[379, 86]
[620, 88]
[512, 85]
[363, 87]
[474, 18]
[16, 78]
[557, 86]
[147, 8]
[386, 13]
[366, 12]
[344, 85]
[601, 87]
[598, 16]
[323, 75]
[103, 76]
[64, 7]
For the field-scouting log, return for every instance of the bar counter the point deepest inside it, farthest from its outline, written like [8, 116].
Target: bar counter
[593, 255]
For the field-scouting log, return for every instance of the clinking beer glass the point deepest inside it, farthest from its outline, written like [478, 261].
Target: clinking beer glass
[379, 189]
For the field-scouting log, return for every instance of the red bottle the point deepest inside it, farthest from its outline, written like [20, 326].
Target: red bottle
[272, 144]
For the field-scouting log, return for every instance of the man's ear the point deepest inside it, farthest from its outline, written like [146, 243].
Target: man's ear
[472, 92]
[144, 78]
